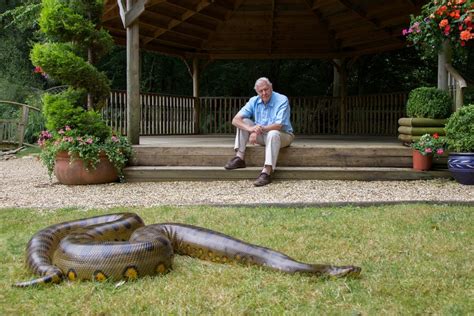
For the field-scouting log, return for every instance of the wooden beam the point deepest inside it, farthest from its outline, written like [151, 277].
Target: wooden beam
[133, 80]
[133, 13]
[175, 22]
[272, 27]
[324, 22]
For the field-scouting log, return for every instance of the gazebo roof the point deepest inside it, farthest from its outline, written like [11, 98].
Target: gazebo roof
[252, 29]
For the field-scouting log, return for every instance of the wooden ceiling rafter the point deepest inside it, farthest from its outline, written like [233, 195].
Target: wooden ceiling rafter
[175, 22]
[336, 43]
[272, 26]
[363, 14]
[198, 9]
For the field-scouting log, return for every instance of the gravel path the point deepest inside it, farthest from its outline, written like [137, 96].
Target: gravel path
[24, 183]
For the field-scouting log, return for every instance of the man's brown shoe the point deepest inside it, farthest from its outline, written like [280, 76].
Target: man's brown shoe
[235, 163]
[263, 179]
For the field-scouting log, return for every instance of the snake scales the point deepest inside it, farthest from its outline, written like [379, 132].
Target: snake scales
[120, 246]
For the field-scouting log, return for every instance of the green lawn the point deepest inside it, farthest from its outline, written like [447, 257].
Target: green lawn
[415, 259]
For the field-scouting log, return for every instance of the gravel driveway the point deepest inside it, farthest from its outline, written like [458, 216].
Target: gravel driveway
[25, 183]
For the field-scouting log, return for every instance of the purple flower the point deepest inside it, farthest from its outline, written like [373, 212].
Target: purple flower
[115, 139]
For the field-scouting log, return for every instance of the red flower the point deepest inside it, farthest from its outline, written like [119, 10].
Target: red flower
[447, 29]
[443, 23]
[455, 14]
[435, 135]
[38, 70]
[466, 35]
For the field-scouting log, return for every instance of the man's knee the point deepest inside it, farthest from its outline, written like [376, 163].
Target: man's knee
[273, 134]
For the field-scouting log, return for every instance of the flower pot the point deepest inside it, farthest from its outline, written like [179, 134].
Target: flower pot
[421, 162]
[461, 166]
[75, 172]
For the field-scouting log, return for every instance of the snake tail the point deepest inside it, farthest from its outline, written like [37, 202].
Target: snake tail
[213, 246]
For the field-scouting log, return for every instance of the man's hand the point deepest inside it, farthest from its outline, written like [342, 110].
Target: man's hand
[257, 129]
[253, 138]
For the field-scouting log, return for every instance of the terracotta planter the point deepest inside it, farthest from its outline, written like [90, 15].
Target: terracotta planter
[461, 166]
[74, 172]
[421, 162]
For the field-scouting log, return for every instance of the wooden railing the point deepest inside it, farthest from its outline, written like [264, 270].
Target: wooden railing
[456, 86]
[160, 114]
[320, 115]
[375, 114]
[12, 131]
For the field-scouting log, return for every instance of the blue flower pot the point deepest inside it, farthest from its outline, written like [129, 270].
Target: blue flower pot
[461, 166]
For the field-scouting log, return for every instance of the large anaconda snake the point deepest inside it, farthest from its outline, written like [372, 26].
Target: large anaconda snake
[120, 246]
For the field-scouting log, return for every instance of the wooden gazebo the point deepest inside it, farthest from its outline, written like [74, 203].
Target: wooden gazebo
[198, 30]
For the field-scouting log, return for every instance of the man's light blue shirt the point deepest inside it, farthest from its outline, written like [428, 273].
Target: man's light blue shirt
[277, 111]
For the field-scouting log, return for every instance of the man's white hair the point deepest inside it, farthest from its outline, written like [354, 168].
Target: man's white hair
[260, 81]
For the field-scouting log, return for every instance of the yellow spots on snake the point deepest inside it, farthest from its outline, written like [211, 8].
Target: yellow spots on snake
[72, 275]
[130, 273]
[100, 276]
[161, 268]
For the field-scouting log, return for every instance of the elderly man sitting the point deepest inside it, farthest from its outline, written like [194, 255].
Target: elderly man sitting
[264, 120]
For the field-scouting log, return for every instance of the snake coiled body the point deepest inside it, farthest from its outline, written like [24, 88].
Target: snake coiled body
[120, 246]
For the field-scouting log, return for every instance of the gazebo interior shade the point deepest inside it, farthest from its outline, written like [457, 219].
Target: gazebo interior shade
[254, 29]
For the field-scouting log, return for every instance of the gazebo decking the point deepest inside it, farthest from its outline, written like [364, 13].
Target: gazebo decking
[198, 157]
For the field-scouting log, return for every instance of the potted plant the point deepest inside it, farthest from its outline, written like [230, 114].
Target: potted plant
[427, 109]
[424, 149]
[460, 142]
[78, 142]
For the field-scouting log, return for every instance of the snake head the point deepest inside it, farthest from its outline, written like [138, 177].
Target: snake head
[343, 271]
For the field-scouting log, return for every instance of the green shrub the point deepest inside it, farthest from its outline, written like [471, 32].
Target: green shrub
[460, 130]
[429, 102]
[64, 109]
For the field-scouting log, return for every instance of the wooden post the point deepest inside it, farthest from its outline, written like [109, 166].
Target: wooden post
[340, 91]
[22, 125]
[133, 80]
[336, 82]
[196, 95]
[444, 57]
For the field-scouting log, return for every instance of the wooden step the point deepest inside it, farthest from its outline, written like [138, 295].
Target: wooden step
[294, 156]
[209, 173]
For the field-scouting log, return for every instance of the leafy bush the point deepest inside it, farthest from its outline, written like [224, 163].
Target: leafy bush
[429, 102]
[460, 130]
[64, 110]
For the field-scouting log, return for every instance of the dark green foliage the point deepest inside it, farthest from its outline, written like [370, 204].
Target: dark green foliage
[429, 102]
[16, 29]
[69, 21]
[72, 43]
[59, 61]
[460, 130]
[64, 109]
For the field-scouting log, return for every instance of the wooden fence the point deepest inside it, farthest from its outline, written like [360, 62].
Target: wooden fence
[180, 115]
[12, 130]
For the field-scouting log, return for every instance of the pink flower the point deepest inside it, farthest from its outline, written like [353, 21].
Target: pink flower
[440, 151]
[428, 150]
[115, 139]
[89, 141]
[61, 132]
[67, 128]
